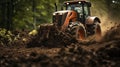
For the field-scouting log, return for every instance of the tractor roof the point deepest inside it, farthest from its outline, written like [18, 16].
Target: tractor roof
[74, 2]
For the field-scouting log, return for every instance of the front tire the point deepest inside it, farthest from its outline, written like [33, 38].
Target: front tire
[78, 32]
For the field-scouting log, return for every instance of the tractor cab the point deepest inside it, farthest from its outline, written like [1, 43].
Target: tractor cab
[81, 7]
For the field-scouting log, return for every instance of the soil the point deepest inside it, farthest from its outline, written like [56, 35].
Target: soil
[60, 50]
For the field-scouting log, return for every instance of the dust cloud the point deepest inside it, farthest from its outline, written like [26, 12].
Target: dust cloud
[101, 11]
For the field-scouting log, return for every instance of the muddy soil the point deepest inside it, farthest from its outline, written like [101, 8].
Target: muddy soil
[61, 51]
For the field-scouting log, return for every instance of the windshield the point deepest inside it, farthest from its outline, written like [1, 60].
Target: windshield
[79, 9]
[76, 7]
[86, 10]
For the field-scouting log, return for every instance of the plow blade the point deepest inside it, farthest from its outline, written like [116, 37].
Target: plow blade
[49, 35]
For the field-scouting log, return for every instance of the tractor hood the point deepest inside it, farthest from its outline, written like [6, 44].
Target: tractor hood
[61, 12]
[62, 18]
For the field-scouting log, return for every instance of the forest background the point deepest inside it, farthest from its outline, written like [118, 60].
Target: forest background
[28, 14]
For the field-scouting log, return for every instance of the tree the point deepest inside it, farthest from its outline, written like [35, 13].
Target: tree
[26, 14]
[6, 13]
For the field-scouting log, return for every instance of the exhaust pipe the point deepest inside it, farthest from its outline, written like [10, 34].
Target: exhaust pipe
[55, 7]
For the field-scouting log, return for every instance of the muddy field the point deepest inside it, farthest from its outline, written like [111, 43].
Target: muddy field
[61, 51]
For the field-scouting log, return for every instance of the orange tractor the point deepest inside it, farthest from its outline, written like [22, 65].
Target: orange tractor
[75, 19]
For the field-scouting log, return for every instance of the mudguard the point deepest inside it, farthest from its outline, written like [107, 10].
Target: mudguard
[91, 20]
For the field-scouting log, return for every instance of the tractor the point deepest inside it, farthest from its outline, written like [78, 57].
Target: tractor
[76, 20]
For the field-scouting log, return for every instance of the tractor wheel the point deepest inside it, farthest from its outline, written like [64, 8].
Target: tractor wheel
[97, 30]
[79, 32]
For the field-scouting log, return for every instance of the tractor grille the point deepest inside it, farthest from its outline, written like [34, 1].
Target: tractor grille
[59, 19]
[59, 23]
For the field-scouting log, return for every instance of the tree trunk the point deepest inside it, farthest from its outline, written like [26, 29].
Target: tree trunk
[3, 14]
[6, 14]
[9, 15]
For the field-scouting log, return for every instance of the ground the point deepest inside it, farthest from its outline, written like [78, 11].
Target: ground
[64, 52]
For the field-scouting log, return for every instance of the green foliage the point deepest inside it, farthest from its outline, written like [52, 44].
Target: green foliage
[28, 13]
[24, 15]
[6, 37]
[107, 7]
